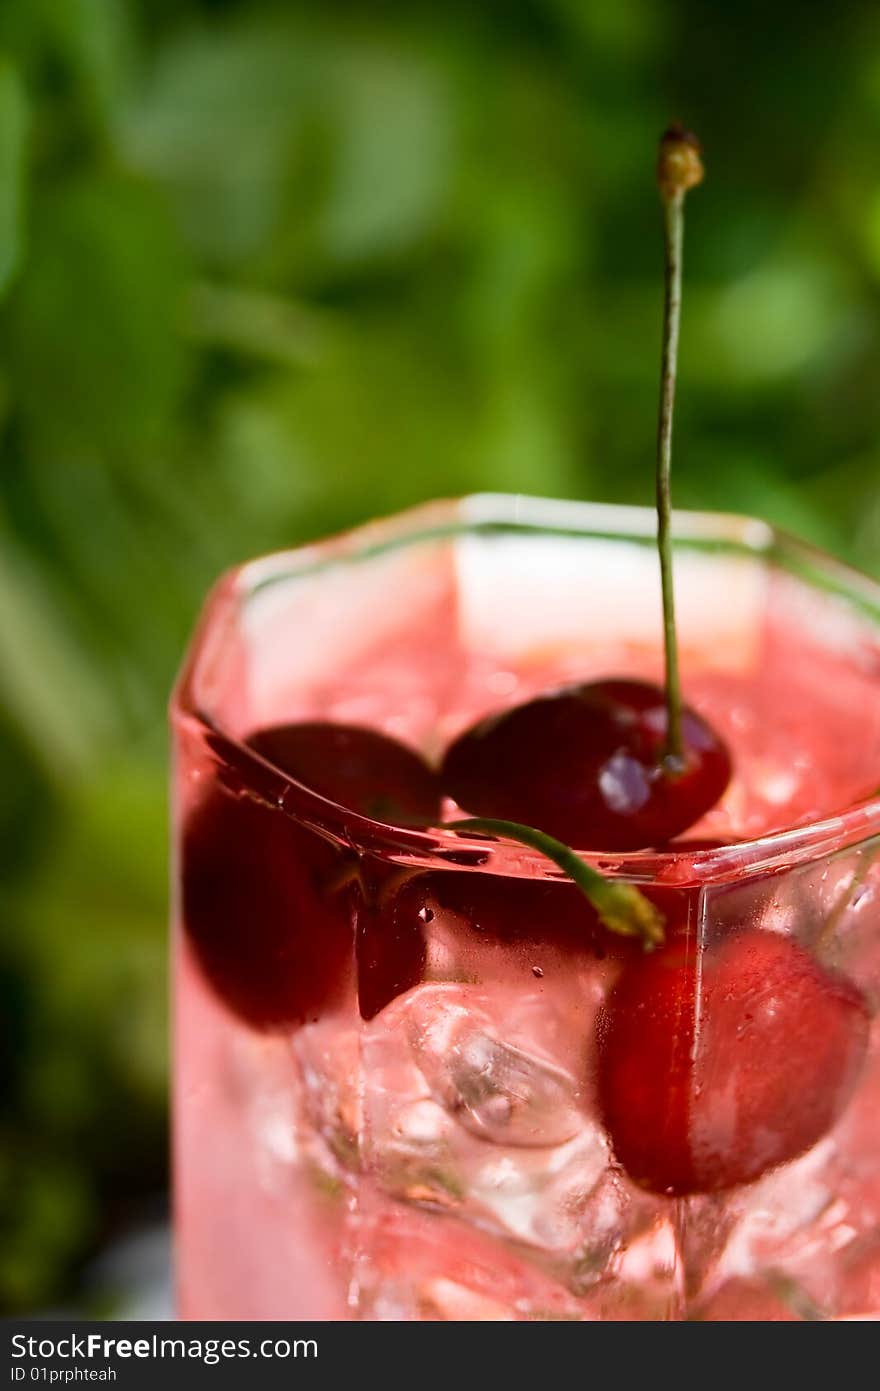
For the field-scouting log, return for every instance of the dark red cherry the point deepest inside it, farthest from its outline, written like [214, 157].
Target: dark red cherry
[270, 931]
[714, 1067]
[358, 768]
[268, 906]
[585, 764]
[390, 938]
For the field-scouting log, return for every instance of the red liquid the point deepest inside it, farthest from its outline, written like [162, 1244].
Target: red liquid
[415, 1130]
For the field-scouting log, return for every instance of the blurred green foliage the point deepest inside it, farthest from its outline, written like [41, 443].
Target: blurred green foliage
[270, 268]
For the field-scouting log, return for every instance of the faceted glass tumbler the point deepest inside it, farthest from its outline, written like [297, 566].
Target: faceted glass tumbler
[386, 1101]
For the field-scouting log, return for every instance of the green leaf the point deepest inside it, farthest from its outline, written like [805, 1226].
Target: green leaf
[395, 139]
[96, 354]
[96, 920]
[12, 160]
[217, 124]
[96, 35]
[47, 689]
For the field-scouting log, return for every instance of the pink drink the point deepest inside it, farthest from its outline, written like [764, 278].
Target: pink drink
[386, 1039]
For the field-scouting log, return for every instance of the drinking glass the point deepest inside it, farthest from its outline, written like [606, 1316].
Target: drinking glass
[385, 1052]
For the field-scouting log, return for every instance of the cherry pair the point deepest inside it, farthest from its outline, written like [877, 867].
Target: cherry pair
[586, 764]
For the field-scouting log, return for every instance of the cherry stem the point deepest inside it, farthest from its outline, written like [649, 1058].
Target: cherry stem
[678, 169]
[621, 908]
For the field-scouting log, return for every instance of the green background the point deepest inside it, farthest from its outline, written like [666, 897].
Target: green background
[269, 269]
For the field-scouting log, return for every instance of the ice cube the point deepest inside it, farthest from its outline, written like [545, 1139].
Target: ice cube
[408, 1139]
[465, 1113]
[775, 1217]
[543, 1197]
[328, 1058]
[423, 1265]
[614, 1217]
[495, 1088]
[415, 1159]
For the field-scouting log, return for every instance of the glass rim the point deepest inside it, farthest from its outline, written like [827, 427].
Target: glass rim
[498, 514]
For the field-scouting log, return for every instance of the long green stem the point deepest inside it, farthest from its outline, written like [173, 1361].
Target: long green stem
[678, 168]
[620, 907]
[673, 215]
